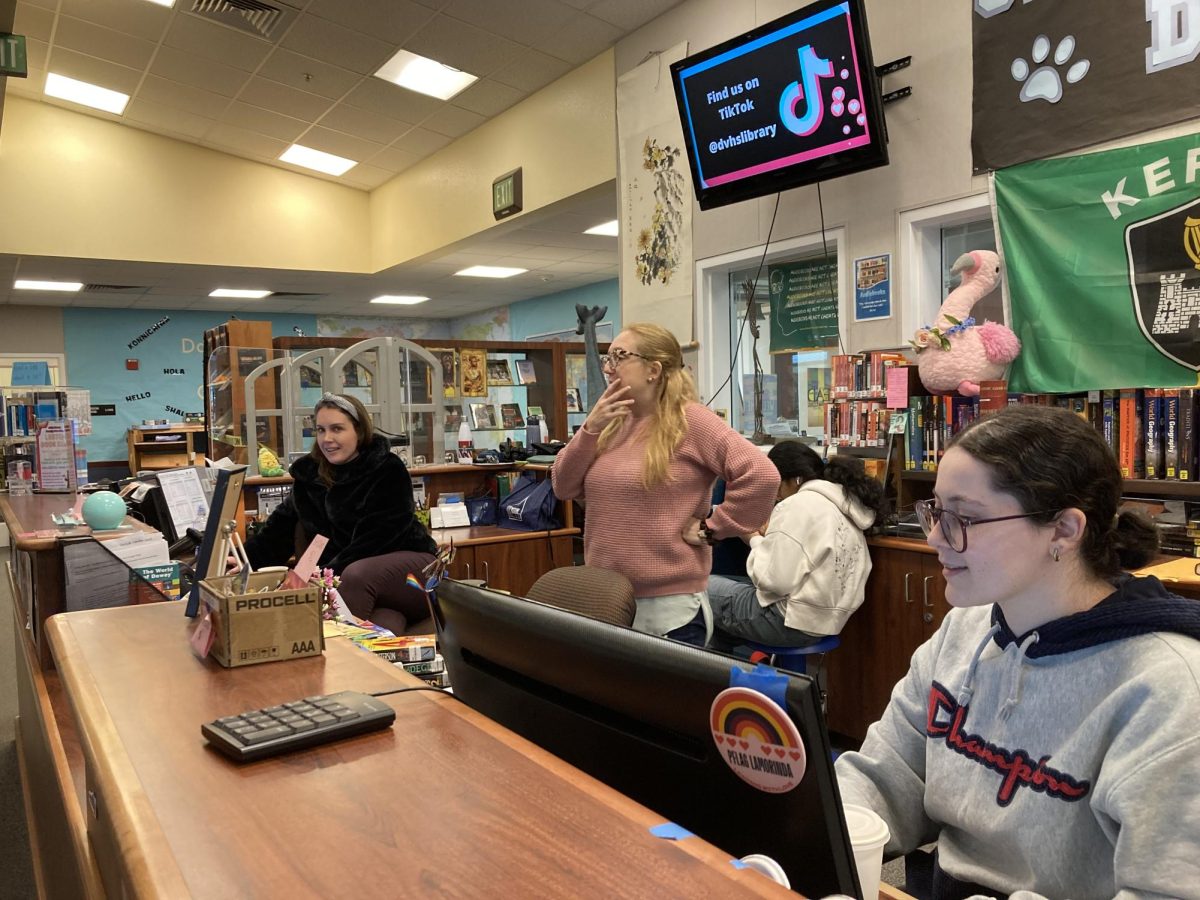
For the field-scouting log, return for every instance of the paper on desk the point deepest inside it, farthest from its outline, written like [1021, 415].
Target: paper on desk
[185, 498]
[1183, 569]
[141, 548]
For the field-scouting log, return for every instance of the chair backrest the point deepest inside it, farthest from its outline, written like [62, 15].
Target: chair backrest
[587, 590]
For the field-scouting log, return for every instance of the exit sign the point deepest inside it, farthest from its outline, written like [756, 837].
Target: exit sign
[12, 55]
[506, 194]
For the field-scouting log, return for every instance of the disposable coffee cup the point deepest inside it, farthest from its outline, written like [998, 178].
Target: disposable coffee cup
[868, 835]
[767, 866]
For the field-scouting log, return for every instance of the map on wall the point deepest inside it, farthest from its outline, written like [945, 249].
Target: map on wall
[656, 199]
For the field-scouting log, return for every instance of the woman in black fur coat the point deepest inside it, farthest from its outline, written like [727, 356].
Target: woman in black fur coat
[355, 491]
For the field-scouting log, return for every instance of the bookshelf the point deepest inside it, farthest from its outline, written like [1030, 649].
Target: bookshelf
[163, 446]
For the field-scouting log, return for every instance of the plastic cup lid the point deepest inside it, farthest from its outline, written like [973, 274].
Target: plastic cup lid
[766, 866]
[865, 827]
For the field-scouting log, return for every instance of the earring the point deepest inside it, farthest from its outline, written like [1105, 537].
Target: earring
[1054, 553]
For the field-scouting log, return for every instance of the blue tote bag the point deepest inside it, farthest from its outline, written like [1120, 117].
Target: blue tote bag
[530, 506]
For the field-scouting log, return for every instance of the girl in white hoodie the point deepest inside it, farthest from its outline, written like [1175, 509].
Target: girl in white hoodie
[808, 567]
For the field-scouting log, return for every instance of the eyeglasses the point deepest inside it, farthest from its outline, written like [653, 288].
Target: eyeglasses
[954, 527]
[616, 357]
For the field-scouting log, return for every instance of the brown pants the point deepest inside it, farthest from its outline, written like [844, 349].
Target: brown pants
[376, 588]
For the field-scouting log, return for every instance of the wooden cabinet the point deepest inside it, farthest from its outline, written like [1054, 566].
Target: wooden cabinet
[514, 561]
[231, 352]
[904, 605]
[163, 447]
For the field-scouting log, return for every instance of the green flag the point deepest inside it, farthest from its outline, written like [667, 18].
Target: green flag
[1102, 267]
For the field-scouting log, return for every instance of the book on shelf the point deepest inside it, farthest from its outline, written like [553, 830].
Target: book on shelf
[498, 372]
[1170, 430]
[483, 415]
[525, 371]
[1187, 442]
[148, 581]
[1153, 451]
[510, 415]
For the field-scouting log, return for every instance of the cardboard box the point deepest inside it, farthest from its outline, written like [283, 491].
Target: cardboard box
[262, 625]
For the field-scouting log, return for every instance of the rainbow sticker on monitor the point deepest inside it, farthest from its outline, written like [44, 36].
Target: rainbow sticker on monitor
[757, 740]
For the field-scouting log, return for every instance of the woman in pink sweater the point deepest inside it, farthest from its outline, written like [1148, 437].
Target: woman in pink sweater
[645, 462]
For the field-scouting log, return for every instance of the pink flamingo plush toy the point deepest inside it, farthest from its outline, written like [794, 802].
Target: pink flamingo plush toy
[955, 354]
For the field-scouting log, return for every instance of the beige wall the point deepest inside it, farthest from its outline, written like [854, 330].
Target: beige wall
[563, 137]
[91, 188]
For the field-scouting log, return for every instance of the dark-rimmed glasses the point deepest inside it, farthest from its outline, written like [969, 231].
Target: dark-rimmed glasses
[954, 527]
[616, 357]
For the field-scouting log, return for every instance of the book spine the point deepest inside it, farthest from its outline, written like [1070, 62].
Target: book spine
[1126, 438]
[1187, 434]
[1153, 439]
[1171, 432]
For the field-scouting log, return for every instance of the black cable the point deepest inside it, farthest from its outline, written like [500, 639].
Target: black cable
[749, 306]
[828, 275]
[425, 687]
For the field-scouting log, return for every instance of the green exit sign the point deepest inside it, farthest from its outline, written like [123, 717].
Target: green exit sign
[13, 60]
[506, 194]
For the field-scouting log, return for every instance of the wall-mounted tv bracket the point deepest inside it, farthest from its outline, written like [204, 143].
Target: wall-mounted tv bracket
[887, 69]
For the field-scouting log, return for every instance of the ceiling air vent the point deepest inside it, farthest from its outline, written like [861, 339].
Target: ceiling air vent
[264, 20]
[112, 288]
[296, 295]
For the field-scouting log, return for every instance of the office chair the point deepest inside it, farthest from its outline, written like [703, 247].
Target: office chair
[587, 590]
[795, 659]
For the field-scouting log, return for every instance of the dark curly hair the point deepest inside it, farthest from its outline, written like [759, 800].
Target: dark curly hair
[1051, 459]
[794, 459]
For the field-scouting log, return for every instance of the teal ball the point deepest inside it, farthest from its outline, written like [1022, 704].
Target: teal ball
[103, 510]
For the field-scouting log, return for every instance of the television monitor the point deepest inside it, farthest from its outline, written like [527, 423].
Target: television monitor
[790, 103]
[632, 710]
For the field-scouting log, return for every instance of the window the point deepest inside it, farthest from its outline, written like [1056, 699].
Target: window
[795, 382]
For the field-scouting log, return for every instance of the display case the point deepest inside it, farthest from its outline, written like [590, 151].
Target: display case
[231, 352]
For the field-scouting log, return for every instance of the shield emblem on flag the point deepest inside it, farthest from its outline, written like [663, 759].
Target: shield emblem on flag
[1163, 256]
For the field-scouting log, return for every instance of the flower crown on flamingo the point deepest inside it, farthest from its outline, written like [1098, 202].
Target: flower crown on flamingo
[932, 335]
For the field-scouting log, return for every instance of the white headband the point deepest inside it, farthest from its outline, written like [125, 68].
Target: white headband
[340, 402]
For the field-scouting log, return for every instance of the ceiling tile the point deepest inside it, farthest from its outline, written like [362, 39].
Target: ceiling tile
[216, 42]
[394, 21]
[344, 145]
[167, 119]
[244, 143]
[581, 39]
[379, 96]
[488, 97]
[36, 53]
[372, 126]
[103, 43]
[531, 71]
[529, 22]
[321, 39]
[280, 98]
[368, 177]
[309, 74]
[187, 68]
[33, 21]
[92, 70]
[630, 14]
[144, 20]
[193, 100]
[394, 159]
[253, 118]
[463, 46]
[453, 122]
[421, 142]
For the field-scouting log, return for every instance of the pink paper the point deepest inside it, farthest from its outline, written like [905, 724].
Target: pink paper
[307, 564]
[897, 387]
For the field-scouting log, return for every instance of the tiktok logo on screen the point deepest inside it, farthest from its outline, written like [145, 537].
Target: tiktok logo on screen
[808, 89]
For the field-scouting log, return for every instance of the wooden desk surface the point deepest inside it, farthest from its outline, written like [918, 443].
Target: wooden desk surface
[444, 803]
[28, 520]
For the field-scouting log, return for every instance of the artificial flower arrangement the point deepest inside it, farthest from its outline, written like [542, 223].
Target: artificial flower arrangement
[933, 335]
[327, 583]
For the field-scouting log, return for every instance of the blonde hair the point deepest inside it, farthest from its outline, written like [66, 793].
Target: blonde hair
[675, 391]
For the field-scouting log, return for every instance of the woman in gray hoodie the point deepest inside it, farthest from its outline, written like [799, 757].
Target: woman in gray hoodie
[1046, 736]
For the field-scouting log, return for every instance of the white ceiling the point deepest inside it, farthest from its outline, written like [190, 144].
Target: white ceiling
[310, 82]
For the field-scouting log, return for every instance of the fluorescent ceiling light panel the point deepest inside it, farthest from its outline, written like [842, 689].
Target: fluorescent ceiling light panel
[167, 3]
[22, 284]
[425, 76]
[85, 94]
[239, 293]
[299, 155]
[490, 272]
[608, 229]
[399, 299]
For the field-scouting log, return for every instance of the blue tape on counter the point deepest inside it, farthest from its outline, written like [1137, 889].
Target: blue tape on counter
[764, 679]
[738, 864]
[671, 832]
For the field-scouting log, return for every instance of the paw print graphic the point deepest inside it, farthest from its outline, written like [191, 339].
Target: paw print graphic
[1045, 82]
